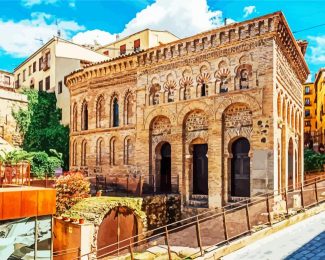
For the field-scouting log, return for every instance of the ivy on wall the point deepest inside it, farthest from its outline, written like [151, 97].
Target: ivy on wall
[40, 125]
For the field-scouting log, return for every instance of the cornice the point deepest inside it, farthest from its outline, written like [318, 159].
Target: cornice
[273, 24]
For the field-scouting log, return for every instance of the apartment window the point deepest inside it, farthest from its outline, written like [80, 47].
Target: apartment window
[122, 49]
[307, 90]
[307, 112]
[7, 80]
[40, 64]
[47, 61]
[34, 66]
[106, 53]
[60, 87]
[18, 81]
[40, 85]
[137, 45]
[307, 101]
[29, 70]
[24, 75]
[47, 83]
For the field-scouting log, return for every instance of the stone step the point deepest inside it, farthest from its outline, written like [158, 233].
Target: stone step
[237, 199]
[199, 197]
[198, 203]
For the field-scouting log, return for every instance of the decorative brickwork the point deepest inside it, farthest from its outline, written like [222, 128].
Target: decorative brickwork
[211, 89]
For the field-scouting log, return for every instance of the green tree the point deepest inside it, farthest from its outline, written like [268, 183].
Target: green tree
[313, 161]
[40, 125]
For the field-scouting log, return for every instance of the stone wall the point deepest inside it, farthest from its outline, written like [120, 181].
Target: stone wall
[161, 210]
[10, 101]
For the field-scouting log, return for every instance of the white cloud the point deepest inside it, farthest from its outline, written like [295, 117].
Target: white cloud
[24, 37]
[30, 3]
[93, 37]
[317, 49]
[72, 3]
[174, 16]
[248, 10]
[182, 19]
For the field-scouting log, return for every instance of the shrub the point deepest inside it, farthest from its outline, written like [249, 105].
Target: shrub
[313, 161]
[41, 163]
[70, 189]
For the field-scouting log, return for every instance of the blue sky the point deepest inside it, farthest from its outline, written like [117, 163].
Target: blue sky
[25, 24]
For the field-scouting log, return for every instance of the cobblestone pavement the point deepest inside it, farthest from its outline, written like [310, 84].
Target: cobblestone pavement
[304, 240]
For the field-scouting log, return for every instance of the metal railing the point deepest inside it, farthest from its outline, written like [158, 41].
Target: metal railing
[15, 174]
[135, 185]
[213, 228]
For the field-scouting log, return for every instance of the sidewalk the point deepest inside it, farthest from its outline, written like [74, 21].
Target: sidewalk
[304, 240]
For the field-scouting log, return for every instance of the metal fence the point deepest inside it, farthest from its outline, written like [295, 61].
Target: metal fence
[134, 185]
[15, 174]
[206, 231]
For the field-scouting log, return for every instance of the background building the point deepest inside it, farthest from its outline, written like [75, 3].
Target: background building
[211, 114]
[320, 88]
[136, 42]
[45, 70]
[310, 103]
[10, 101]
[6, 79]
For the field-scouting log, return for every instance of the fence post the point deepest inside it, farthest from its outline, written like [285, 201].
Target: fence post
[131, 251]
[198, 235]
[247, 218]
[316, 193]
[268, 209]
[286, 201]
[224, 224]
[302, 197]
[167, 243]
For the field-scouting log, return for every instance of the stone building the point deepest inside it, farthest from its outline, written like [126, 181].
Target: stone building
[218, 115]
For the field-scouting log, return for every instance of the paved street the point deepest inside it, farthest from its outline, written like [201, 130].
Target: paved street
[305, 240]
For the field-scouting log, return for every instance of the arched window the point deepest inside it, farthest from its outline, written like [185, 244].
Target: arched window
[127, 150]
[115, 113]
[84, 116]
[244, 80]
[99, 112]
[74, 153]
[187, 92]
[84, 153]
[204, 90]
[99, 152]
[75, 117]
[112, 145]
[128, 109]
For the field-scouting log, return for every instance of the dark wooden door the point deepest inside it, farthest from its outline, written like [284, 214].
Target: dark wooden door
[200, 169]
[165, 168]
[240, 168]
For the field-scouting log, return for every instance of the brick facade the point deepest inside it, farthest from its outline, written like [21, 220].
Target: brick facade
[239, 81]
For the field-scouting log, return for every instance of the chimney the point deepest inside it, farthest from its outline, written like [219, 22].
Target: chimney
[303, 46]
[117, 37]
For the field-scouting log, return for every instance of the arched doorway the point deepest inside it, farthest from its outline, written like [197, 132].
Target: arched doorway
[290, 164]
[200, 169]
[165, 168]
[240, 168]
[118, 225]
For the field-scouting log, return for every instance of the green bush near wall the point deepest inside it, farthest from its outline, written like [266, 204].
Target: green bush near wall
[313, 161]
[40, 125]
